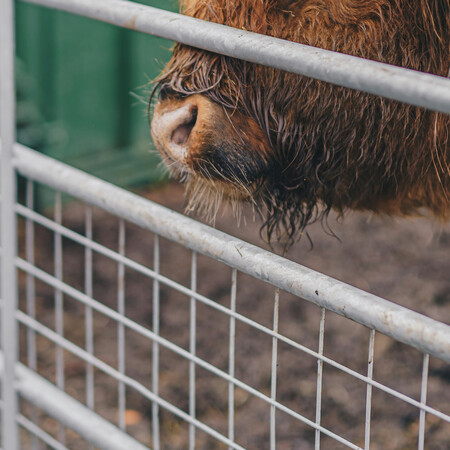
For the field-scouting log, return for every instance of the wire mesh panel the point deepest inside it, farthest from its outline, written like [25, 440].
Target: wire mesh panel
[132, 326]
[126, 343]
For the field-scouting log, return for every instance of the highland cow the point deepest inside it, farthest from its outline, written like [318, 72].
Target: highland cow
[296, 146]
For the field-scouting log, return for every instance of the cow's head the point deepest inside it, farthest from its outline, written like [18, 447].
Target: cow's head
[237, 131]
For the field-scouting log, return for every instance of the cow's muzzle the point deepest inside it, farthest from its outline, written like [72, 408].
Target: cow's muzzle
[197, 135]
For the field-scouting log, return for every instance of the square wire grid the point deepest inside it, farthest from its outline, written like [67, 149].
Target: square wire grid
[200, 430]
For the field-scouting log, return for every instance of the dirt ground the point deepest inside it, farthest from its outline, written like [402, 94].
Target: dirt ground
[405, 261]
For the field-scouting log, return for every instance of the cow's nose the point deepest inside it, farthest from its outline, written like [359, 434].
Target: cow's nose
[172, 128]
[197, 135]
[183, 122]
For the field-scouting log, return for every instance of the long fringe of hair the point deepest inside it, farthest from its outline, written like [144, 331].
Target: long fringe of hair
[333, 148]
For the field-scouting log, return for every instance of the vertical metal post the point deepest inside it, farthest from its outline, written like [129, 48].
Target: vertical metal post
[10, 438]
[193, 350]
[273, 385]
[88, 315]
[120, 326]
[423, 399]
[31, 299]
[89, 329]
[232, 362]
[59, 305]
[319, 379]
[155, 365]
[369, 390]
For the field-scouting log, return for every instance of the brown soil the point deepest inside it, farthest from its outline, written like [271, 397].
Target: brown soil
[406, 261]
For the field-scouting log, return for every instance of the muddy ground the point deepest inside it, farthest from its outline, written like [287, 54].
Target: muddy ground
[406, 261]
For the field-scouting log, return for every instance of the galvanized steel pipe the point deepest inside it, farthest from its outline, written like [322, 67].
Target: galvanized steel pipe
[8, 229]
[402, 324]
[70, 412]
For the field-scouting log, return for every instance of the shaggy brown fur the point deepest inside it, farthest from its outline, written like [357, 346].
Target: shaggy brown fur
[329, 146]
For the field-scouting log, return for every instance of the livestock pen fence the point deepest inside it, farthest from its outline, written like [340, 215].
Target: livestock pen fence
[31, 391]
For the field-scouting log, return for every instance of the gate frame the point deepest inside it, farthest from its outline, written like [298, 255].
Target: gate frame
[429, 336]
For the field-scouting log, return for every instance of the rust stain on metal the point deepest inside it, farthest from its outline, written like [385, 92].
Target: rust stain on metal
[131, 22]
[121, 284]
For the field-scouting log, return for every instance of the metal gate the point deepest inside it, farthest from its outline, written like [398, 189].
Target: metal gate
[22, 382]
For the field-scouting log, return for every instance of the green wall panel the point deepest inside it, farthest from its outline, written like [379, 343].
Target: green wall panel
[87, 76]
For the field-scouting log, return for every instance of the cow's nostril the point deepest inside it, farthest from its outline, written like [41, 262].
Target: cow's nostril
[182, 132]
[179, 127]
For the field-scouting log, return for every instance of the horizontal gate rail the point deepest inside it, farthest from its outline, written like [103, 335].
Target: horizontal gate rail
[405, 85]
[68, 411]
[428, 335]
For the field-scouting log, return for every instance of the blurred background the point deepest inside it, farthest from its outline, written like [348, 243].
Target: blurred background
[82, 88]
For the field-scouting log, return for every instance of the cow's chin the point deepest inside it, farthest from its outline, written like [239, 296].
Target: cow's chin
[206, 196]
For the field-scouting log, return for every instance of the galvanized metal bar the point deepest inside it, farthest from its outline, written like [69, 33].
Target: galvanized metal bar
[423, 399]
[31, 296]
[88, 315]
[393, 82]
[59, 307]
[46, 278]
[273, 372]
[155, 345]
[68, 345]
[68, 411]
[8, 231]
[59, 303]
[120, 326]
[37, 432]
[231, 356]
[89, 322]
[409, 327]
[369, 390]
[319, 378]
[192, 349]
